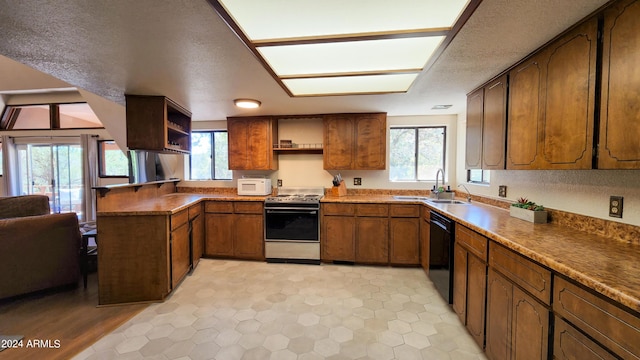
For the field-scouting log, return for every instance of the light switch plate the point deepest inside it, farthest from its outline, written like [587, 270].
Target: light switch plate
[502, 190]
[615, 206]
[357, 181]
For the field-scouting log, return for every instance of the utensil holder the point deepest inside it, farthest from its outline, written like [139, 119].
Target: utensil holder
[340, 190]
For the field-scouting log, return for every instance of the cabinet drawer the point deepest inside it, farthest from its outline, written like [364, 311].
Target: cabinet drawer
[607, 323]
[218, 207]
[194, 211]
[338, 209]
[472, 241]
[404, 210]
[569, 343]
[372, 210]
[178, 219]
[530, 276]
[247, 207]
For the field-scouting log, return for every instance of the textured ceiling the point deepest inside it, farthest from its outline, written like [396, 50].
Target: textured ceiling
[182, 49]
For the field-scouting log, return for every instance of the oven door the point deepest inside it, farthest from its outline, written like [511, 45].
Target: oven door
[292, 224]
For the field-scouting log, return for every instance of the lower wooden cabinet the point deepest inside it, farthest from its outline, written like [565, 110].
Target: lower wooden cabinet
[372, 246]
[470, 281]
[517, 324]
[196, 218]
[180, 261]
[338, 232]
[235, 230]
[425, 237]
[404, 237]
[571, 344]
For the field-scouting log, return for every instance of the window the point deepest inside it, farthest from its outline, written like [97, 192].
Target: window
[111, 160]
[478, 176]
[209, 156]
[416, 153]
[49, 116]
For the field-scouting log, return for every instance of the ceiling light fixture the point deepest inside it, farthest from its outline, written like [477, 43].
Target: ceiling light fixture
[247, 103]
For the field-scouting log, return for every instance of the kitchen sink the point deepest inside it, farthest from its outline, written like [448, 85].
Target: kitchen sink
[409, 197]
[447, 201]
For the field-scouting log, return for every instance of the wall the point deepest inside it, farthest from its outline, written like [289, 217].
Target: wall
[584, 192]
[299, 170]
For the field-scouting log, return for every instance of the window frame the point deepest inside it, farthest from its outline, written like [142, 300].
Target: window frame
[11, 113]
[417, 149]
[213, 156]
[482, 176]
[101, 162]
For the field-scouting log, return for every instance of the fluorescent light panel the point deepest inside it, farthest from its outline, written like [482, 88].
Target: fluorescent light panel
[351, 56]
[303, 41]
[282, 19]
[369, 84]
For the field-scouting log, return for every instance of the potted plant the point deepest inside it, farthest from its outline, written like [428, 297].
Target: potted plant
[529, 211]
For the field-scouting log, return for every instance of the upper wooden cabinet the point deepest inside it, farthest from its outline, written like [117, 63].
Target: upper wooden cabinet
[487, 126]
[355, 141]
[251, 143]
[619, 143]
[156, 123]
[551, 104]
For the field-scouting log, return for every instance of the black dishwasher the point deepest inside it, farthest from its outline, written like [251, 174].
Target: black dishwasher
[441, 254]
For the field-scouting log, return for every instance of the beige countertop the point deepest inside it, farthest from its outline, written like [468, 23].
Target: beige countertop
[607, 266]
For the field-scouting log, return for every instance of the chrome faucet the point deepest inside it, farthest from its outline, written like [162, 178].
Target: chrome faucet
[437, 191]
[468, 192]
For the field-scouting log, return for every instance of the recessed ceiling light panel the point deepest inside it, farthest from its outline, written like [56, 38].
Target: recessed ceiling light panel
[261, 20]
[351, 56]
[370, 84]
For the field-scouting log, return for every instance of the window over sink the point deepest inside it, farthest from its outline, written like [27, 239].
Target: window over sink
[416, 153]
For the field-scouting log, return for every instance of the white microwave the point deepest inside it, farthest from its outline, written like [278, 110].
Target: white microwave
[255, 187]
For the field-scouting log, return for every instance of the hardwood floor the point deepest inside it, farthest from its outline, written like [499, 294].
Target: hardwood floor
[69, 316]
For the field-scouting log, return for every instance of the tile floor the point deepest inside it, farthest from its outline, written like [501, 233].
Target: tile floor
[255, 310]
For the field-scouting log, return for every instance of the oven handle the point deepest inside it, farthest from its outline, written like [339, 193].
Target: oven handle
[291, 211]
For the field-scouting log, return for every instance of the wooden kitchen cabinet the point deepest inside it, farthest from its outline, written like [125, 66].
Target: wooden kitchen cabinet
[338, 233]
[372, 227]
[251, 142]
[494, 125]
[425, 237]
[355, 141]
[569, 344]
[475, 114]
[470, 281]
[180, 260]
[196, 218]
[603, 320]
[234, 229]
[156, 123]
[404, 234]
[619, 143]
[551, 104]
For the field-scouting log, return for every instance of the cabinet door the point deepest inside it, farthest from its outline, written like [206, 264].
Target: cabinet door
[180, 261]
[338, 142]
[524, 104]
[476, 295]
[260, 137]
[475, 111]
[460, 282]
[238, 149]
[249, 236]
[219, 233]
[338, 238]
[372, 240]
[530, 327]
[370, 141]
[619, 144]
[425, 232]
[568, 95]
[571, 344]
[494, 125]
[404, 238]
[197, 237]
[499, 311]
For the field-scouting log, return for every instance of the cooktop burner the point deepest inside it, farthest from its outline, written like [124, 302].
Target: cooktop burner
[296, 195]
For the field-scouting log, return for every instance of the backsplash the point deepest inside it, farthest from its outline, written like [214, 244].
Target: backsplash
[601, 227]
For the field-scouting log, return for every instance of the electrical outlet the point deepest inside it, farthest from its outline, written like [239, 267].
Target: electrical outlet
[279, 182]
[357, 181]
[502, 190]
[615, 206]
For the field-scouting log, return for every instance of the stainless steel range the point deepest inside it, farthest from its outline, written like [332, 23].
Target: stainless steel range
[292, 225]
